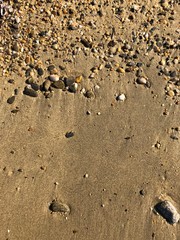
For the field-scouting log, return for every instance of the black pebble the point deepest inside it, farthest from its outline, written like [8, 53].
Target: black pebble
[11, 100]
[69, 134]
[40, 71]
[30, 92]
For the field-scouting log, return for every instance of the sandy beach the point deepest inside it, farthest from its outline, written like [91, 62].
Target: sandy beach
[89, 120]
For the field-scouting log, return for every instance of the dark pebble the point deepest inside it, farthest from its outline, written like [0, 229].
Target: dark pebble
[11, 81]
[15, 110]
[86, 43]
[59, 85]
[30, 80]
[40, 71]
[173, 74]
[59, 207]
[11, 100]
[69, 134]
[30, 92]
[69, 81]
[16, 91]
[35, 86]
[167, 211]
[51, 67]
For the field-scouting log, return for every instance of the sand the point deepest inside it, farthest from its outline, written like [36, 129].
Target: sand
[123, 156]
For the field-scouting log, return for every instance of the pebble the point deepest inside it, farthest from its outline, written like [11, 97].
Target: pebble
[171, 93]
[59, 207]
[141, 80]
[59, 85]
[78, 79]
[86, 43]
[73, 88]
[35, 86]
[46, 85]
[54, 77]
[120, 70]
[40, 71]
[10, 100]
[69, 134]
[69, 81]
[89, 94]
[121, 97]
[167, 211]
[30, 92]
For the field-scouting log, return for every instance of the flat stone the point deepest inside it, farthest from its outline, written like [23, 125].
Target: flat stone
[59, 85]
[30, 92]
[59, 207]
[167, 211]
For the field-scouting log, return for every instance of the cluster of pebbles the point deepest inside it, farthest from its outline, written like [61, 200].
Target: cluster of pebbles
[67, 29]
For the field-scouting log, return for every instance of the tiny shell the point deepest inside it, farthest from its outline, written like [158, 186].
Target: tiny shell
[167, 211]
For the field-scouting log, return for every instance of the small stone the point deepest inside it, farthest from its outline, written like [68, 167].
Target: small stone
[53, 77]
[121, 97]
[10, 100]
[69, 81]
[69, 134]
[86, 43]
[30, 92]
[11, 81]
[171, 93]
[163, 62]
[51, 67]
[40, 71]
[59, 207]
[141, 80]
[78, 79]
[88, 113]
[173, 74]
[167, 211]
[46, 85]
[73, 88]
[120, 70]
[35, 86]
[16, 91]
[89, 94]
[59, 85]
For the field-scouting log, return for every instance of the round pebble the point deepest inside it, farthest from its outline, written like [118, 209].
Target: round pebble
[53, 77]
[10, 100]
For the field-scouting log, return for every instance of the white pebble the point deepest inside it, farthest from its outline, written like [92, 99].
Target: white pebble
[121, 97]
[54, 77]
